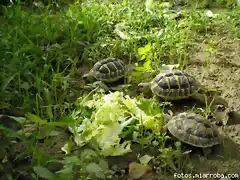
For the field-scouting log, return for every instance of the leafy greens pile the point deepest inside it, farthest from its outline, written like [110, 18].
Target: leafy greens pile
[109, 120]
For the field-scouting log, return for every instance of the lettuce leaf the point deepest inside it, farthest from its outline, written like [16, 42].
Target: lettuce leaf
[112, 114]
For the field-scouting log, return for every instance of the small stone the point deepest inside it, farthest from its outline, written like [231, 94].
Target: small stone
[110, 177]
[114, 167]
[136, 170]
[122, 171]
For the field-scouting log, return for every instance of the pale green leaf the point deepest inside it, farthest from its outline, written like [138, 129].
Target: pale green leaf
[117, 149]
[66, 148]
[109, 134]
[149, 5]
[119, 30]
[145, 159]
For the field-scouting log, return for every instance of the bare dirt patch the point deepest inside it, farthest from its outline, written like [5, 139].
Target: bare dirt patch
[221, 71]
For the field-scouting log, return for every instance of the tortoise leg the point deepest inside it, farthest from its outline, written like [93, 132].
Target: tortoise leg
[200, 97]
[221, 114]
[220, 101]
[213, 101]
[208, 90]
[157, 98]
[164, 128]
[101, 85]
[207, 151]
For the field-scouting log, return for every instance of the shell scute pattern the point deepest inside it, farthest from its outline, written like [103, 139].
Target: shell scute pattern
[174, 85]
[194, 130]
[109, 69]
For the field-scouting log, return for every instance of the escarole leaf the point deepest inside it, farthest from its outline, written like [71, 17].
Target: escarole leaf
[112, 115]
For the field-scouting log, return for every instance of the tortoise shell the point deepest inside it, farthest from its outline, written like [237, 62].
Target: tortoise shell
[108, 70]
[174, 85]
[194, 130]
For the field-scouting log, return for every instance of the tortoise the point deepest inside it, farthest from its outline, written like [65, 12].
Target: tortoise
[106, 71]
[193, 129]
[176, 85]
[178, 12]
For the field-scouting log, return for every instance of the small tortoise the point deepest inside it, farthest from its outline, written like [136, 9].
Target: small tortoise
[175, 85]
[106, 71]
[194, 130]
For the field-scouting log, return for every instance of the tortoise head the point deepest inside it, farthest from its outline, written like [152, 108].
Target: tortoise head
[144, 88]
[88, 77]
[167, 116]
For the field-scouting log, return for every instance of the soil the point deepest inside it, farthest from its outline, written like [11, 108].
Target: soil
[223, 74]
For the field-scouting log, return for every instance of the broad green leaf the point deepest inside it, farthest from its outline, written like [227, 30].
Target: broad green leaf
[124, 3]
[10, 132]
[147, 65]
[67, 120]
[4, 105]
[150, 106]
[71, 160]
[137, 74]
[103, 165]
[20, 120]
[64, 121]
[144, 50]
[44, 173]
[93, 168]
[88, 154]
[66, 170]
[25, 85]
[36, 119]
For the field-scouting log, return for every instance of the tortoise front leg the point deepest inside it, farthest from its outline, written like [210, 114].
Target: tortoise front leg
[207, 151]
[217, 100]
[101, 85]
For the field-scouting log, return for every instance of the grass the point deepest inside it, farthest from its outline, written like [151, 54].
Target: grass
[43, 51]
